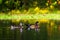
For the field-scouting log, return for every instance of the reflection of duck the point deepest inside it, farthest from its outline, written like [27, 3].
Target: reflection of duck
[28, 26]
[34, 26]
[20, 26]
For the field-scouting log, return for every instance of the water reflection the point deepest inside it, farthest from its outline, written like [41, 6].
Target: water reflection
[47, 31]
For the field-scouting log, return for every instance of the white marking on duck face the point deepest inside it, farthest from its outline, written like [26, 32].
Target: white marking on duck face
[21, 24]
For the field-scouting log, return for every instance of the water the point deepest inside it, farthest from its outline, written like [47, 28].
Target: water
[8, 34]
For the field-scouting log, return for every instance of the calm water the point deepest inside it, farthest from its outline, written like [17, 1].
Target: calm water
[45, 32]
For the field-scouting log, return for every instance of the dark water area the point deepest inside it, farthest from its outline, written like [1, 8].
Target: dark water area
[46, 32]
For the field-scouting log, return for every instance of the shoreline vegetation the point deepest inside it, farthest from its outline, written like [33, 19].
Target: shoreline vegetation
[30, 16]
[31, 13]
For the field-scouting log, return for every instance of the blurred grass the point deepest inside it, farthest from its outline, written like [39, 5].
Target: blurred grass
[31, 13]
[29, 16]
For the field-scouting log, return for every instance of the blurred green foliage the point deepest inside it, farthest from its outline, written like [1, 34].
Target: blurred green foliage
[6, 5]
